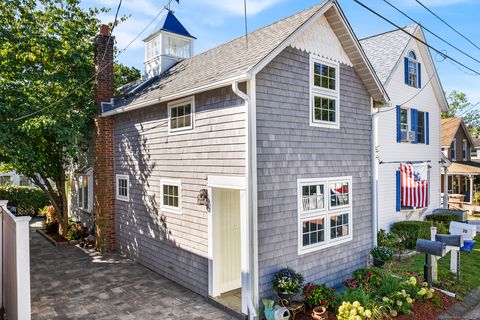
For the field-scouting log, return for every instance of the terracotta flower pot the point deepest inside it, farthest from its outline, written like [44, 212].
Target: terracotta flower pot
[319, 313]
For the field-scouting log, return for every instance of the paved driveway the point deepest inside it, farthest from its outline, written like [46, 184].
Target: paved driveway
[72, 283]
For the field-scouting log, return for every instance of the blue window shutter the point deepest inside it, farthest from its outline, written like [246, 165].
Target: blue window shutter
[427, 128]
[414, 122]
[419, 75]
[406, 70]
[399, 196]
[399, 127]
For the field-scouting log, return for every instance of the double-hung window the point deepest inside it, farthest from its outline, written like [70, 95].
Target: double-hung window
[181, 115]
[453, 150]
[404, 123]
[421, 126]
[412, 70]
[324, 213]
[324, 105]
[84, 192]
[464, 150]
[171, 195]
[123, 187]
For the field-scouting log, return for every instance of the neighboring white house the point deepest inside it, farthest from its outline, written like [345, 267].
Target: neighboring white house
[408, 130]
[13, 178]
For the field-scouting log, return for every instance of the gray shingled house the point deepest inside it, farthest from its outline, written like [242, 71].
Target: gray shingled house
[241, 160]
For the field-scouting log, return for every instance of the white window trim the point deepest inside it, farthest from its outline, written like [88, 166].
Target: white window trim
[454, 149]
[326, 93]
[90, 191]
[122, 177]
[189, 100]
[166, 208]
[465, 149]
[416, 68]
[325, 213]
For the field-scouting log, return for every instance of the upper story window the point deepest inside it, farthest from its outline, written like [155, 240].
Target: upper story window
[464, 150]
[453, 150]
[5, 180]
[177, 47]
[324, 105]
[122, 187]
[412, 126]
[412, 71]
[153, 48]
[181, 115]
[324, 213]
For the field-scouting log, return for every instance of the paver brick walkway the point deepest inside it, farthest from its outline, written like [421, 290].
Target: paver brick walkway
[72, 283]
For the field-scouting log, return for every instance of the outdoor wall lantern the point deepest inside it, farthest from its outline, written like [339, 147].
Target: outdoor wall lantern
[202, 197]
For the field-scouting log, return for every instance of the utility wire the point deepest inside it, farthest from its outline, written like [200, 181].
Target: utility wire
[96, 73]
[113, 27]
[445, 22]
[415, 37]
[431, 32]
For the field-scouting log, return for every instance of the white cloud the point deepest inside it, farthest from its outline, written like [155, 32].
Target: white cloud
[235, 7]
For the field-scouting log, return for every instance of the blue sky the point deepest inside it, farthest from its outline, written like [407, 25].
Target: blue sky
[214, 22]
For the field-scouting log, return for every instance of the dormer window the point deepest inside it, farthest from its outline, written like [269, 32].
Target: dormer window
[412, 70]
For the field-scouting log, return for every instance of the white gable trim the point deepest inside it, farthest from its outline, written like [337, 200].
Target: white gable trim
[320, 40]
[429, 66]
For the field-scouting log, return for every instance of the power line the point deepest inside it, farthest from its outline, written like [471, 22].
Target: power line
[445, 22]
[96, 73]
[416, 38]
[431, 32]
[113, 27]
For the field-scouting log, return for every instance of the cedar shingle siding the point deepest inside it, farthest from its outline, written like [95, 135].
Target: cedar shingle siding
[175, 246]
[290, 149]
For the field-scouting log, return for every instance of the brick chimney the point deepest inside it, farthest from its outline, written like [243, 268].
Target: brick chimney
[104, 167]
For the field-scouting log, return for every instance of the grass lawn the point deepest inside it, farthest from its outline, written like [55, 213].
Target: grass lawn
[469, 270]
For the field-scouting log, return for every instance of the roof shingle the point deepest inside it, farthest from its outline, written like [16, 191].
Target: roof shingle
[449, 129]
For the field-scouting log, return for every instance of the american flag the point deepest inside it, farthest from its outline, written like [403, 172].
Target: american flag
[414, 185]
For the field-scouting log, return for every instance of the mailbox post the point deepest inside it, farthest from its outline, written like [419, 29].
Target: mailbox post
[432, 250]
[433, 262]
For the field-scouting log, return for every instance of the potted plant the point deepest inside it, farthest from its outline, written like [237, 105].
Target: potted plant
[380, 255]
[287, 283]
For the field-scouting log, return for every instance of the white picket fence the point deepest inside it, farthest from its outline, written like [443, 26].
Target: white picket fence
[15, 262]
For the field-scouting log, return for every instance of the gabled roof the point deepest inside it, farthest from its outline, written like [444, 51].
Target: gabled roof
[233, 60]
[385, 50]
[450, 127]
[170, 23]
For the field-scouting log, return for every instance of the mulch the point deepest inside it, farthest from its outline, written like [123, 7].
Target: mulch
[421, 310]
[57, 237]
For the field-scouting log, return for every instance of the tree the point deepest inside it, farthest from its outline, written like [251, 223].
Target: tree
[459, 105]
[46, 90]
[124, 74]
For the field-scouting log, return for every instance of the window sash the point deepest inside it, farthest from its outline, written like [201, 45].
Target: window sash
[331, 233]
[453, 150]
[83, 189]
[412, 73]
[325, 109]
[464, 150]
[123, 187]
[421, 127]
[324, 76]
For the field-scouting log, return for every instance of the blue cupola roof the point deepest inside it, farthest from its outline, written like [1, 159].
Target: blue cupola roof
[171, 24]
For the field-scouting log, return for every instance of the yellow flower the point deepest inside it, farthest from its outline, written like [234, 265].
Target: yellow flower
[422, 292]
[353, 312]
[393, 313]
[368, 313]
[361, 309]
[413, 281]
[356, 304]
[399, 303]
[409, 300]
[385, 299]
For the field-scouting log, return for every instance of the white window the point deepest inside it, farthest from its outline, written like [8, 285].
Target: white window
[171, 195]
[181, 115]
[153, 48]
[464, 150]
[324, 213]
[177, 47]
[453, 150]
[324, 93]
[25, 181]
[5, 180]
[123, 187]
[84, 192]
[412, 70]
[404, 123]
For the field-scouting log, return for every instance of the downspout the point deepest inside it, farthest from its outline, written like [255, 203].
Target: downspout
[374, 173]
[445, 186]
[252, 311]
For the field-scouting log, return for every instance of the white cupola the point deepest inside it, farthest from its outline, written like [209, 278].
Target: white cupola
[168, 44]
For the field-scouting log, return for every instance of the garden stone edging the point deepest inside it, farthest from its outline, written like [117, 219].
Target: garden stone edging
[461, 309]
[55, 242]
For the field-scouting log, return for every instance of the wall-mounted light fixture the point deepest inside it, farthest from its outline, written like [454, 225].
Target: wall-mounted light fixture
[202, 197]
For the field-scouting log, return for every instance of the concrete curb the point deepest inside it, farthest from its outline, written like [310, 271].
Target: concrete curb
[461, 309]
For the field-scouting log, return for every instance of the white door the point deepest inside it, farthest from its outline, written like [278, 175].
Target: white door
[226, 240]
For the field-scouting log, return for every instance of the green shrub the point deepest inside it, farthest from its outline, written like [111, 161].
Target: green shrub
[444, 218]
[391, 241]
[410, 231]
[27, 199]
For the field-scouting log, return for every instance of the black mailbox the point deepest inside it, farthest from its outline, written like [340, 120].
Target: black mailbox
[433, 248]
[449, 239]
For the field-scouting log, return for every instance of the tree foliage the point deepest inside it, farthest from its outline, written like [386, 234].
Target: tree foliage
[124, 75]
[46, 88]
[460, 105]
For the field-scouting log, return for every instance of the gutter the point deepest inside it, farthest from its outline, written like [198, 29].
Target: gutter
[250, 153]
[182, 94]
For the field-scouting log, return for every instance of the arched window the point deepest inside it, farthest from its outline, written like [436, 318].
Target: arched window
[412, 55]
